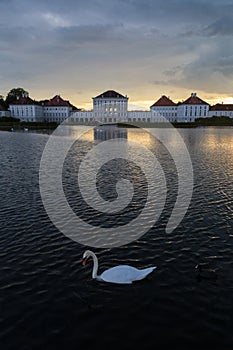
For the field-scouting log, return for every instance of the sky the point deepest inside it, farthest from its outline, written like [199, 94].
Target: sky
[140, 48]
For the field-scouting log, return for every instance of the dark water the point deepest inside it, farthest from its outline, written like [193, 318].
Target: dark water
[49, 301]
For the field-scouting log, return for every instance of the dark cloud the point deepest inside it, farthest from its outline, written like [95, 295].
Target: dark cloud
[130, 44]
[90, 33]
[211, 72]
[221, 27]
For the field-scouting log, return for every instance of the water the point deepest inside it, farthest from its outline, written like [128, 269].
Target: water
[48, 300]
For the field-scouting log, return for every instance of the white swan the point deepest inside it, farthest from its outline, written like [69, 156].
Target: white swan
[121, 274]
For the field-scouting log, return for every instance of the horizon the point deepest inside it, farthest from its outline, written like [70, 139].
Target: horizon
[132, 106]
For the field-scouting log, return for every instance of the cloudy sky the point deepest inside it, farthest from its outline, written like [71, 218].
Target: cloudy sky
[140, 48]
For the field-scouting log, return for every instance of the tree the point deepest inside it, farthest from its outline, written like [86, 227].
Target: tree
[2, 102]
[13, 94]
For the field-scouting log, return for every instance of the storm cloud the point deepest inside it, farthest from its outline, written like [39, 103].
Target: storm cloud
[142, 49]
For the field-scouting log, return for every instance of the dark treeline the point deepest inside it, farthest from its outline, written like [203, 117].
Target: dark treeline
[11, 96]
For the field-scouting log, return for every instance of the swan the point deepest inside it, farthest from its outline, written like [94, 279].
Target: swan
[205, 273]
[121, 274]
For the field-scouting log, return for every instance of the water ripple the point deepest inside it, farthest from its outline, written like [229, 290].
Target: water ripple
[48, 299]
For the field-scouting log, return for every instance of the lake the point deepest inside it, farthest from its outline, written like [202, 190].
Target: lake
[49, 300]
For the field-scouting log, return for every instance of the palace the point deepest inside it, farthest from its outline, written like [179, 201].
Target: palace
[112, 107]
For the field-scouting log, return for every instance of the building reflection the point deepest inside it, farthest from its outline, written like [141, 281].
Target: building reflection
[107, 132]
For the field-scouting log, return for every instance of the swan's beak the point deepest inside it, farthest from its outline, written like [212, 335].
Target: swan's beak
[84, 261]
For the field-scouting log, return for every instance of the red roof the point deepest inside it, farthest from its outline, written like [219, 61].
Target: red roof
[164, 101]
[194, 100]
[57, 101]
[222, 107]
[24, 100]
[110, 94]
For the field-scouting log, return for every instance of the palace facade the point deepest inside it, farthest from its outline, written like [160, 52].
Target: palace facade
[112, 107]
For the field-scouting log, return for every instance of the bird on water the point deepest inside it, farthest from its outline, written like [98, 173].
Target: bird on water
[205, 273]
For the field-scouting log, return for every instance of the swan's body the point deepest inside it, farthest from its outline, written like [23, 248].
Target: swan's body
[121, 274]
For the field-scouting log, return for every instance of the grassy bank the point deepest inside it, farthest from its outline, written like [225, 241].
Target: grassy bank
[199, 122]
[7, 124]
[214, 121]
[156, 125]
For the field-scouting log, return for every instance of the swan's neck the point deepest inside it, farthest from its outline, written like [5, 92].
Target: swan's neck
[95, 265]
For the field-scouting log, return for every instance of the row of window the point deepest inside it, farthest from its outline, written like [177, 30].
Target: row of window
[222, 114]
[81, 120]
[55, 108]
[120, 114]
[164, 108]
[205, 107]
[169, 114]
[99, 103]
[23, 113]
[51, 114]
[196, 114]
[28, 113]
[139, 119]
[99, 108]
[55, 119]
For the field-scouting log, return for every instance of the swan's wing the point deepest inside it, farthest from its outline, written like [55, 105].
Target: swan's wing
[124, 274]
[145, 272]
[120, 274]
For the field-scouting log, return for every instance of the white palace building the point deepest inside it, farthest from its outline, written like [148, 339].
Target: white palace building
[112, 107]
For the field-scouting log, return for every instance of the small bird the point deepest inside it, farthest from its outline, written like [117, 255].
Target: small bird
[205, 273]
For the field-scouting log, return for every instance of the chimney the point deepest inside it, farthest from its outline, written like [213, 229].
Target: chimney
[193, 94]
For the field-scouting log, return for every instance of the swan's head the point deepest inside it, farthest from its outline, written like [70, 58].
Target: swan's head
[86, 255]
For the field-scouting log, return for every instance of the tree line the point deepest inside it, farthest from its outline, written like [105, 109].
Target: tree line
[11, 96]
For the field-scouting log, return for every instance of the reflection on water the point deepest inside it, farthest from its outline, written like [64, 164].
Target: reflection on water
[47, 297]
[107, 132]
